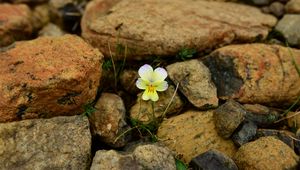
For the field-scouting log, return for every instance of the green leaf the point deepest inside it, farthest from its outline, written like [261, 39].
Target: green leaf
[180, 165]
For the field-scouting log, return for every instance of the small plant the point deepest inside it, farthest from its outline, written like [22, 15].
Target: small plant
[89, 109]
[180, 165]
[186, 53]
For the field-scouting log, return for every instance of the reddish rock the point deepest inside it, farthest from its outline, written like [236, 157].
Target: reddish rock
[15, 23]
[163, 28]
[256, 73]
[48, 77]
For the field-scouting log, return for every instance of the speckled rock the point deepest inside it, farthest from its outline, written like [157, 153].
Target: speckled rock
[108, 121]
[285, 136]
[51, 30]
[193, 133]
[162, 28]
[293, 6]
[195, 83]
[127, 79]
[228, 117]
[288, 26]
[266, 153]
[16, 23]
[27, 1]
[256, 73]
[277, 9]
[47, 77]
[143, 112]
[40, 16]
[213, 160]
[147, 156]
[57, 143]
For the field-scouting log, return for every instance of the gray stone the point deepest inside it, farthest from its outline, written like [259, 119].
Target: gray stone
[290, 28]
[246, 133]
[57, 143]
[213, 160]
[261, 115]
[195, 83]
[293, 7]
[163, 28]
[143, 111]
[228, 117]
[147, 156]
[261, 2]
[128, 79]
[108, 121]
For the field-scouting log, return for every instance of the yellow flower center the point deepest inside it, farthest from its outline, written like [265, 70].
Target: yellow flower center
[151, 88]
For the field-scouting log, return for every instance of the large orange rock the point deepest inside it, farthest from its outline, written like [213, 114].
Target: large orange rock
[48, 77]
[163, 28]
[15, 23]
[256, 73]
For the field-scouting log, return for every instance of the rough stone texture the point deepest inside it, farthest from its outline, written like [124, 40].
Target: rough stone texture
[213, 160]
[51, 30]
[266, 153]
[284, 136]
[261, 115]
[40, 16]
[228, 117]
[289, 27]
[261, 2]
[193, 133]
[154, 157]
[143, 112]
[48, 77]
[293, 120]
[128, 79]
[162, 28]
[246, 133]
[195, 83]
[293, 6]
[108, 121]
[143, 157]
[57, 143]
[15, 23]
[27, 1]
[256, 73]
[277, 9]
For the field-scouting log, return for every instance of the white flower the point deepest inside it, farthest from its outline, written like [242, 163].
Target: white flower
[152, 81]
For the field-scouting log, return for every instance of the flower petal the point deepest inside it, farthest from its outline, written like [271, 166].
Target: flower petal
[146, 72]
[145, 95]
[141, 84]
[150, 95]
[153, 96]
[162, 86]
[159, 74]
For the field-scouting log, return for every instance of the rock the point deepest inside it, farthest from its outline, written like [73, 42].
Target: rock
[293, 120]
[113, 160]
[48, 77]
[31, 2]
[297, 142]
[16, 23]
[228, 117]
[261, 2]
[143, 157]
[266, 153]
[212, 160]
[193, 133]
[195, 83]
[40, 17]
[128, 79]
[51, 30]
[246, 133]
[277, 9]
[289, 27]
[284, 136]
[170, 26]
[256, 73]
[261, 115]
[142, 110]
[108, 121]
[57, 143]
[293, 6]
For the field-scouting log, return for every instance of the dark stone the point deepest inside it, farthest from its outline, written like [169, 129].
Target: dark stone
[246, 133]
[297, 142]
[228, 117]
[277, 9]
[284, 136]
[213, 160]
[261, 115]
[261, 2]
